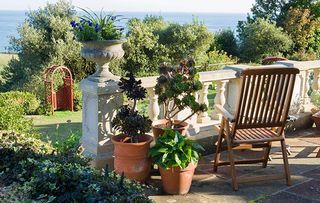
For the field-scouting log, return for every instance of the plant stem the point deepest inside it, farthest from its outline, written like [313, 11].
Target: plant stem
[186, 118]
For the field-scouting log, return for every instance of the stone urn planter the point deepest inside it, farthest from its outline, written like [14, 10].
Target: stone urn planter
[159, 125]
[177, 181]
[102, 52]
[132, 158]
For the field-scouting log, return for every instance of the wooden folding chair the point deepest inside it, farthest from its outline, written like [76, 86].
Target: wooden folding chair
[259, 120]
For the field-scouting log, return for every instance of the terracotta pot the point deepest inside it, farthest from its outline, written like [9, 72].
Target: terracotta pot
[177, 181]
[102, 52]
[157, 127]
[316, 119]
[132, 158]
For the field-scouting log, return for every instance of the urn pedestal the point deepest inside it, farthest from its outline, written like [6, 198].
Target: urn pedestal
[101, 97]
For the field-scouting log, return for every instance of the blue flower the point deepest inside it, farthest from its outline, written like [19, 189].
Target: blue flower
[80, 28]
[73, 23]
[82, 21]
[96, 27]
[90, 23]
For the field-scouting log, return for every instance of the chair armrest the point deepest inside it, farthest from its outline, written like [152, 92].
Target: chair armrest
[225, 113]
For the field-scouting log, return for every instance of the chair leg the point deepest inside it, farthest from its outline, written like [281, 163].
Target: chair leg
[285, 162]
[218, 152]
[266, 155]
[218, 149]
[232, 164]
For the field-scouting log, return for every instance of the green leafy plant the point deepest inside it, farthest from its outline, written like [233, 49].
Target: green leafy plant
[12, 119]
[128, 120]
[176, 86]
[174, 150]
[25, 100]
[97, 27]
[39, 173]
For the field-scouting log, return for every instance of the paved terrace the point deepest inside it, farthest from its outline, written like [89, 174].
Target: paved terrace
[215, 187]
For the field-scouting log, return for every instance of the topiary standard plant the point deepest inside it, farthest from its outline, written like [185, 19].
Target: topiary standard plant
[175, 88]
[177, 158]
[132, 145]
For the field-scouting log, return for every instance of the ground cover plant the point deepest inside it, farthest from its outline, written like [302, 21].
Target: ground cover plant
[42, 174]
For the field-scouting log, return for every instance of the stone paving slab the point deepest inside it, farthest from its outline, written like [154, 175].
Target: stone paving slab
[216, 187]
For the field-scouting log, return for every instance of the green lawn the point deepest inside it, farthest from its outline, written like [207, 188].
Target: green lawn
[60, 124]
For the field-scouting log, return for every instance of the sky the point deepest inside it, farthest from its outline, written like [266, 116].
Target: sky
[196, 6]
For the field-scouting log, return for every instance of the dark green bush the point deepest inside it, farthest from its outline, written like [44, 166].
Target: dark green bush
[226, 41]
[44, 175]
[27, 101]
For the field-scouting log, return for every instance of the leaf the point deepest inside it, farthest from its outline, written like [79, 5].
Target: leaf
[177, 159]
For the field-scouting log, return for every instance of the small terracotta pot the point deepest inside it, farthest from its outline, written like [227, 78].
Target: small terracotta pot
[316, 119]
[157, 127]
[132, 158]
[177, 181]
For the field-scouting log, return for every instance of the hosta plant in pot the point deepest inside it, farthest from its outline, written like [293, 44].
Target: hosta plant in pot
[102, 42]
[176, 87]
[177, 158]
[132, 145]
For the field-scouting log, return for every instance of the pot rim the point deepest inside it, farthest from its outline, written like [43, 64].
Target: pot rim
[147, 141]
[184, 123]
[190, 166]
[108, 42]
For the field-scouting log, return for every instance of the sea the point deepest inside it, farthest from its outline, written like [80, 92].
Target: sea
[11, 20]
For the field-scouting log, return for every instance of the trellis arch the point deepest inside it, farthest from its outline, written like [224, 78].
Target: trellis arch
[63, 97]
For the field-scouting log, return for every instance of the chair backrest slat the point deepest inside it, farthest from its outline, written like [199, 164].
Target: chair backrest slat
[265, 97]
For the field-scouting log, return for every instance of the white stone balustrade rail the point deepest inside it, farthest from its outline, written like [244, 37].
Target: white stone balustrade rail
[101, 100]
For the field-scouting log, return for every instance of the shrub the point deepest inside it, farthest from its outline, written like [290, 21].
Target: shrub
[27, 101]
[187, 41]
[260, 39]
[152, 41]
[43, 175]
[12, 119]
[143, 52]
[226, 41]
[217, 60]
[77, 97]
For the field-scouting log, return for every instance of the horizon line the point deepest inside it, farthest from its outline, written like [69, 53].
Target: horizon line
[126, 11]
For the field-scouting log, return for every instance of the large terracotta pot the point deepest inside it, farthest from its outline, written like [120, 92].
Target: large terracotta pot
[177, 181]
[158, 126]
[102, 52]
[132, 158]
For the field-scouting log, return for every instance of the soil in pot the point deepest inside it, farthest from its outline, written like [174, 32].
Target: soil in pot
[177, 181]
[159, 125]
[132, 158]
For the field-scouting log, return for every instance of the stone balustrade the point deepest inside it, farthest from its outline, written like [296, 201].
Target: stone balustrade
[100, 102]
